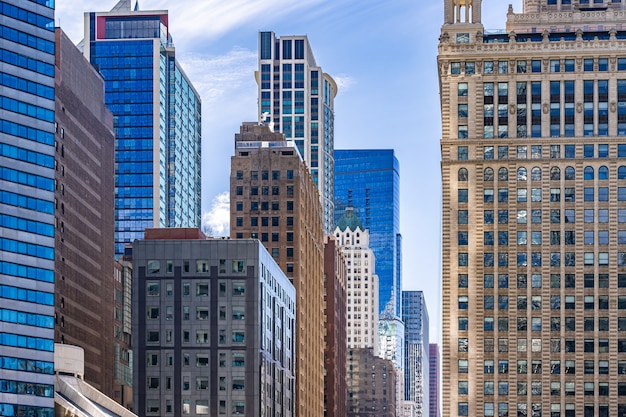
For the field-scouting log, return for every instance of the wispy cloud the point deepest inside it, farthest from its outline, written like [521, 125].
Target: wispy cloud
[344, 82]
[216, 222]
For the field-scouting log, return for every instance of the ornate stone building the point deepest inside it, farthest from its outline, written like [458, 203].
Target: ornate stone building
[534, 210]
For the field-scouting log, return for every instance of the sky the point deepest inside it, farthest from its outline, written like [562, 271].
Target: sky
[382, 54]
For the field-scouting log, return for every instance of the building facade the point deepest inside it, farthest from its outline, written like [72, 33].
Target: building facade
[416, 350]
[297, 98]
[84, 216]
[368, 181]
[362, 283]
[433, 380]
[157, 120]
[274, 199]
[27, 161]
[217, 330]
[533, 167]
[123, 374]
[371, 385]
[335, 390]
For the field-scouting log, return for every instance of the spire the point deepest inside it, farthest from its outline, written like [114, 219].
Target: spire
[349, 220]
[136, 9]
[122, 6]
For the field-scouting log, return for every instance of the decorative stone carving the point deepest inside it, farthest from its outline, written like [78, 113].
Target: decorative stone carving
[444, 38]
[579, 64]
[546, 108]
[613, 107]
[579, 107]
[512, 109]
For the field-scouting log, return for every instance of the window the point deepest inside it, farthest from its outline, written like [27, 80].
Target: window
[462, 89]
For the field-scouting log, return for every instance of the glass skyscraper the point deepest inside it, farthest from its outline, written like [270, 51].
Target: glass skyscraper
[27, 153]
[297, 99]
[157, 121]
[369, 181]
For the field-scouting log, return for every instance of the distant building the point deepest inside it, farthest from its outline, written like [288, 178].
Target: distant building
[362, 283]
[368, 181]
[123, 388]
[433, 380]
[273, 198]
[335, 394]
[27, 222]
[391, 340]
[215, 327]
[157, 120]
[84, 197]
[416, 350]
[297, 98]
[371, 385]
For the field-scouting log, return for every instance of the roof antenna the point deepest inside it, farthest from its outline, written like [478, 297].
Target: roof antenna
[136, 9]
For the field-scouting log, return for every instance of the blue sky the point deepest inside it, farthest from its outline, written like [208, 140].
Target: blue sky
[382, 55]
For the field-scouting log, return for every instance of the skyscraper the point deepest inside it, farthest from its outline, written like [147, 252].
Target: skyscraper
[27, 161]
[157, 120]
[273, 198]
[297, 98]
[416, 350]
[369, 182]
[217, 332]
[84, 217]
[533, 168]
[362, 281]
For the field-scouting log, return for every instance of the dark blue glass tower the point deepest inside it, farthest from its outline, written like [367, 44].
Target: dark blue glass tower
[157, 121]
[369, 181]
[27, 170]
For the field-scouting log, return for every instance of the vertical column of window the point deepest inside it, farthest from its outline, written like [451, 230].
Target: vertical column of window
[488, 110]
[621, 107]
[266, 76]
[287, 49]
[503, 110]
[462, 132]
[535, 109]
[588, 108]
[287, 76]
[569, 87]
[555, 109]
[522, 113]
[299, 76]
[287, 109]
[603, 107]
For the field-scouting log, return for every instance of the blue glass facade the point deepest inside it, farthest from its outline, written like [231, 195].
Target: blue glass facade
[369, 181]
[157, 124]
[27, 170]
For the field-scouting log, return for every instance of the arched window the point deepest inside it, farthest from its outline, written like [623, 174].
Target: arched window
[621, 173]
[522, 174]
[555, 173]
[535, 174]
[588, 174]
[488, 175]
[603, 173]
[463, 174]
[503, 174]
[570, 173]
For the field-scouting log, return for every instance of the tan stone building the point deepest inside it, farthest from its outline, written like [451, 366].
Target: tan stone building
[274, 199]
[371, 385]
[534, 210]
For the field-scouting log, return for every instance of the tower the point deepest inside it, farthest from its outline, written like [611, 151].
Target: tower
[297, 97]
[273, 199]
[157, 120]
[27, 210]
[533, 170]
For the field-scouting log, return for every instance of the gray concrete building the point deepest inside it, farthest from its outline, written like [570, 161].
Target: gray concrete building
[213, 329]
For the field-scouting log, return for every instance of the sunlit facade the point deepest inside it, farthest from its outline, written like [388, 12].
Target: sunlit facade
[534, 210]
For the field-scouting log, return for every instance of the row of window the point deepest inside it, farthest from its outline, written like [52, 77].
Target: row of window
[569, 259]
[36, 343]
[534, 66]
[202, 407]
[28, 272]
[536, 325]
[589, 237]
[18, 410]
[536, 281]
[589, 195]
[202, 313]
[535, 409]
[265, 190]
[202, 266]
[26, 39]
[26, 16]
[536, 301]
[536, 174]
[536, 151]
[202, 383]
[26, 365]
[262, 205]
[153, 288]
[202, 359]
[536, 215]
[154, 336]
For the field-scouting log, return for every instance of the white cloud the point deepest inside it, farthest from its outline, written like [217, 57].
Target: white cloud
[344, 82]
[216, 222]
